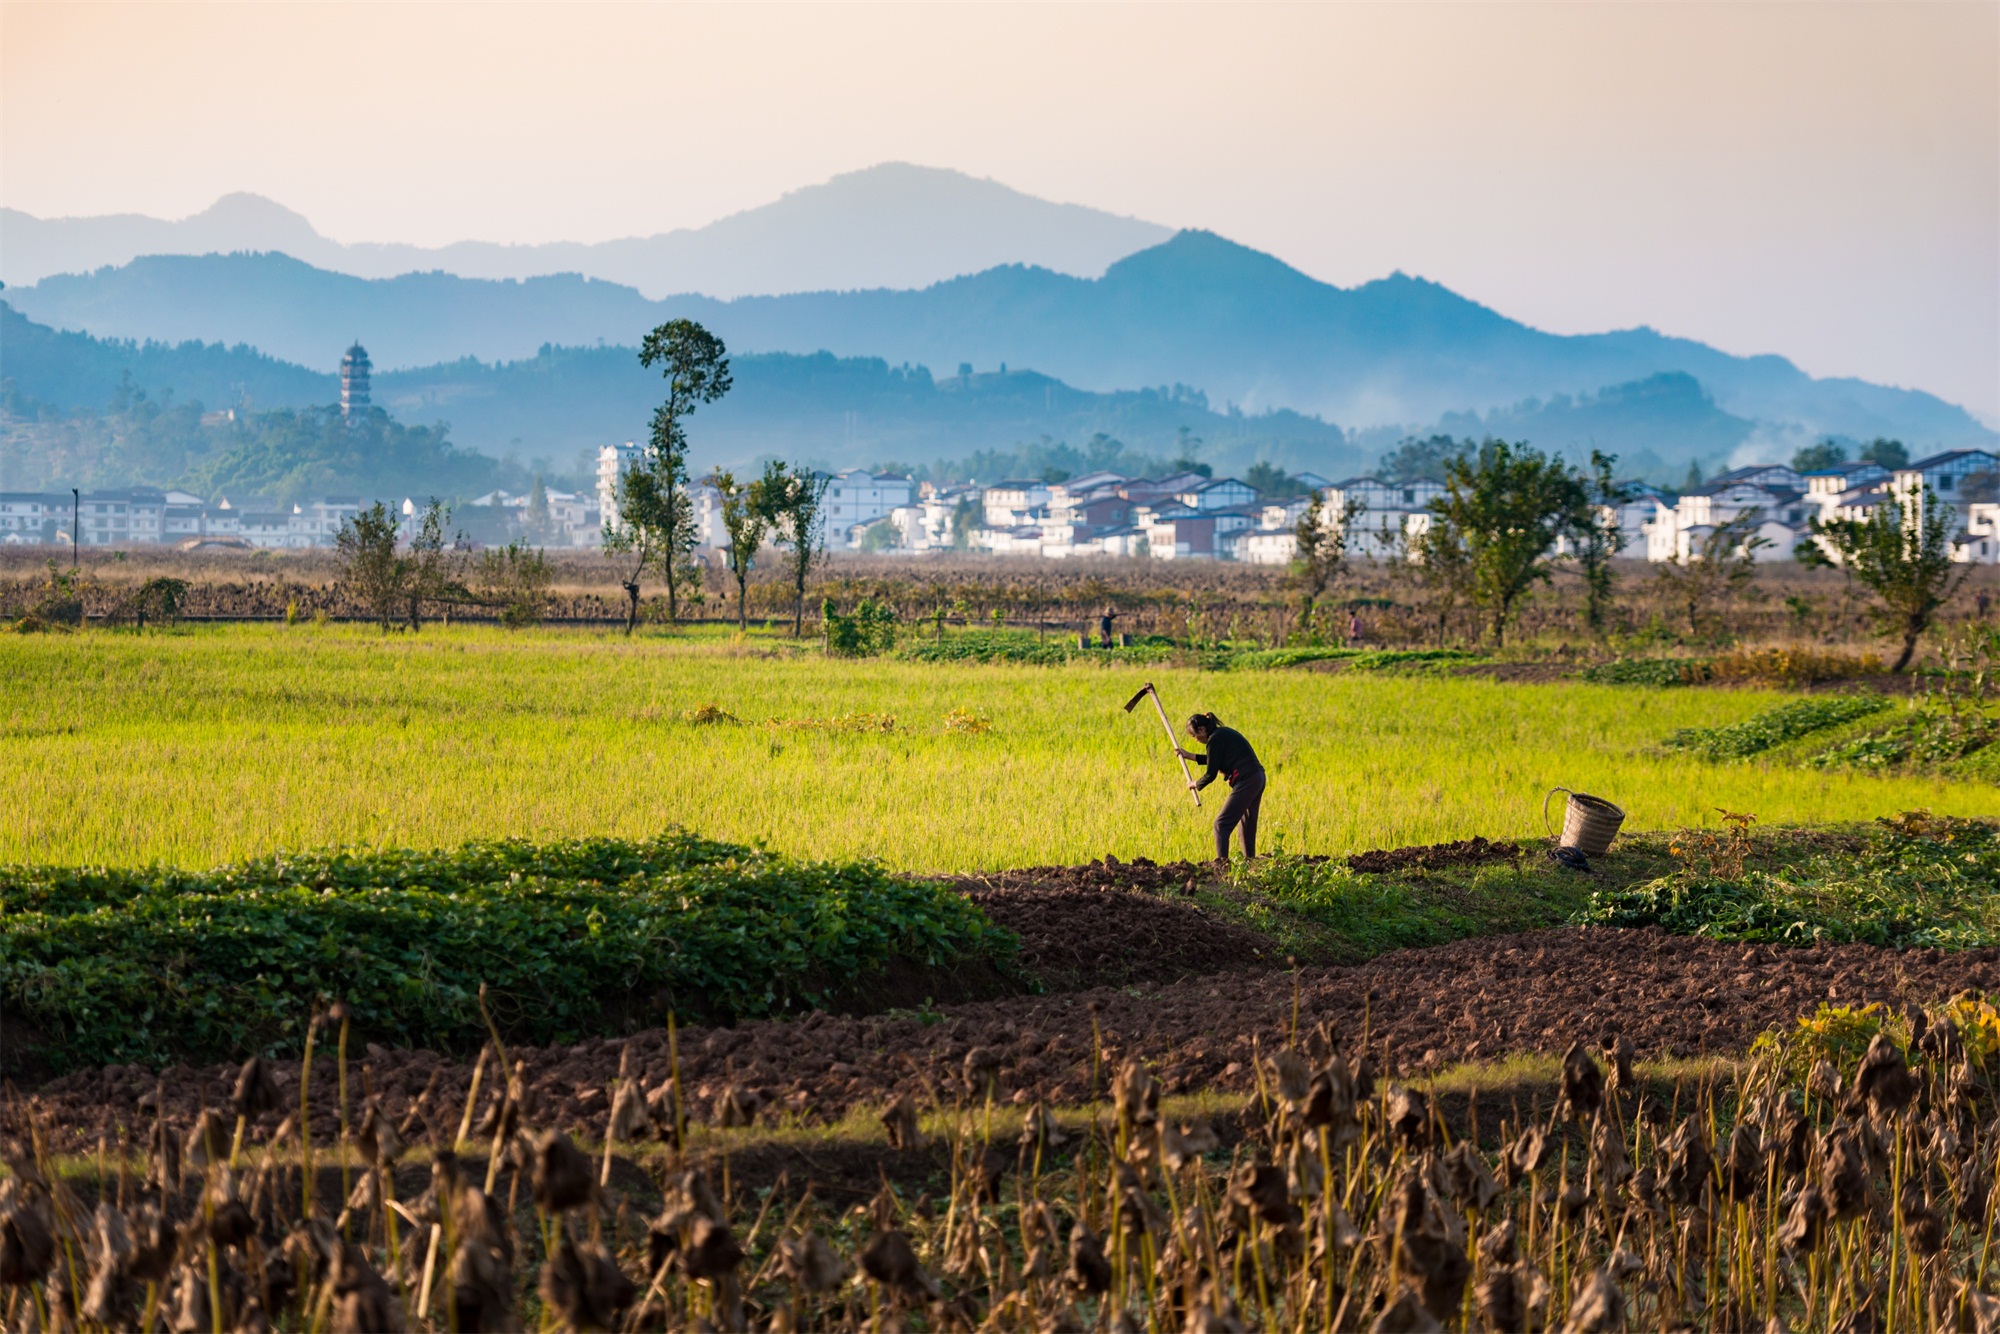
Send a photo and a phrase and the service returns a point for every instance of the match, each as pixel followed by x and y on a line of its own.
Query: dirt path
pixel 1476 998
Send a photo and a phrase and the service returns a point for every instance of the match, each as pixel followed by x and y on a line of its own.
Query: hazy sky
pixel 1819 180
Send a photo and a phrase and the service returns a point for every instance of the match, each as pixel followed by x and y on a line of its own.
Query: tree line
pixel 654 527
pixel 1510 514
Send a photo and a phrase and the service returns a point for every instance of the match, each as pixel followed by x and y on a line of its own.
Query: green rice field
pixel 207 744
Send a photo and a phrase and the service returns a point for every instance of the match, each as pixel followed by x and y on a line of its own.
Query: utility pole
pixel 75 509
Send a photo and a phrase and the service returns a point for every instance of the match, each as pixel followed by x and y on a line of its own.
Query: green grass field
pixel 201 745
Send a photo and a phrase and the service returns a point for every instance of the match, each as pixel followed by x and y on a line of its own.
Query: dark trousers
pixel 1240 808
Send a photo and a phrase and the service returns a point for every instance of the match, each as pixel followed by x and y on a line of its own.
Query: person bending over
pixel 1230 755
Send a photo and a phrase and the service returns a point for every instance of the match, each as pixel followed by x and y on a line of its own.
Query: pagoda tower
pixel 354 369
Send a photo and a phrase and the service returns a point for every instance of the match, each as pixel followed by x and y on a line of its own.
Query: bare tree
pixel 1722 564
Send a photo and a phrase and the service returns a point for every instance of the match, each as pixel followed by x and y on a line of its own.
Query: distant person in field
pixel 1229 755
pixel 1104 624
pixel 1354 628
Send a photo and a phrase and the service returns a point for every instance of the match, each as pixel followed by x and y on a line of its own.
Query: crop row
pixel 568 937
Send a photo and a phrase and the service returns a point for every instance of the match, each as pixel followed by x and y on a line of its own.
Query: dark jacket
pixel 1229 754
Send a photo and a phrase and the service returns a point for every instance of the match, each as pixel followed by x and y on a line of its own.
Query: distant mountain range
pixel 560 405
pixel 893 225
pixel 1241 327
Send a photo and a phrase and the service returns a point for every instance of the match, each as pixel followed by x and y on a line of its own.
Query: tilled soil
pixel 1107 872
pixel 1075 938
pixel 1536 992
pixel 1434 856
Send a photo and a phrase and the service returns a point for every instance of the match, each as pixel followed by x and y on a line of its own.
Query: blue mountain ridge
pixel 1241 326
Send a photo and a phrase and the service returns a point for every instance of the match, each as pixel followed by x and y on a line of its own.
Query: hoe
pixel 1133 703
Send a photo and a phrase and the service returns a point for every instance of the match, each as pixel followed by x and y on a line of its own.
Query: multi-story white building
pixel 1015 503
pixel 857 499
pixel 613 461
pixel 1979 544
pixel 1771 496
pixel 1382 525
pixel 1958 478
pixel 32 518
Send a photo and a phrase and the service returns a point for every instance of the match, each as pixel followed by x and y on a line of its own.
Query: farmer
pixel 1229 754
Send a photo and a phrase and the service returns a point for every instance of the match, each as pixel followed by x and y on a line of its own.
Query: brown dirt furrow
pixel 1074 938
pixel 1533 992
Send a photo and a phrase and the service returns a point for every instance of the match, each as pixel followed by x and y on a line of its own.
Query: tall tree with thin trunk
pixel 1436 560
pixel 655 515
pixel 746 517
pixel 1902 554
pixel 799 504
pixel 433 567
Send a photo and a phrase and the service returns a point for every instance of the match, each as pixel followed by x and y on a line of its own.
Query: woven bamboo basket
pixel 1589 823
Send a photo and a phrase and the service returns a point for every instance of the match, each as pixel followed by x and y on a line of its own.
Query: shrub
pixel 1787 722
pixel 1840 1034
pixel 1789 666
pixel 869 631
pixel 1642 672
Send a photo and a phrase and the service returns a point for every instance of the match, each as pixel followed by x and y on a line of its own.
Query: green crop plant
pixel 1922 880
pixel 1787 722
pixel 161 964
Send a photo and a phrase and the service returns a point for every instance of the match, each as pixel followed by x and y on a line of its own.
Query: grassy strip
pixel 1320 912
pixel 1921 881
pixel 573 938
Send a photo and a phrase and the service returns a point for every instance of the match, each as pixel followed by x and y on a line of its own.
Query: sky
pixel 1819 180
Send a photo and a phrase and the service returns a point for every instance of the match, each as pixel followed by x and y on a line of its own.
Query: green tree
pixel 1436 560
pixel 431 567
pixel 1272 482
pixel 1319 552
pixel 964 518
pixel 537 521
pixel 1890 454
pixel 1902 554
pixel 882 535
pixel 1427 458
pixel 372 574
pixel 655 513
pixel 1693 479
pixel 747 510
pixel 1509 504
pixel 1597 536
pixel 799 505
pixel 1724 562
pixel 1820 457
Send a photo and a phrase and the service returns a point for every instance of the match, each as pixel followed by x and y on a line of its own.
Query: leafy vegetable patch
pixel 1922 881
pixel 569 938
pixel 1787 722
